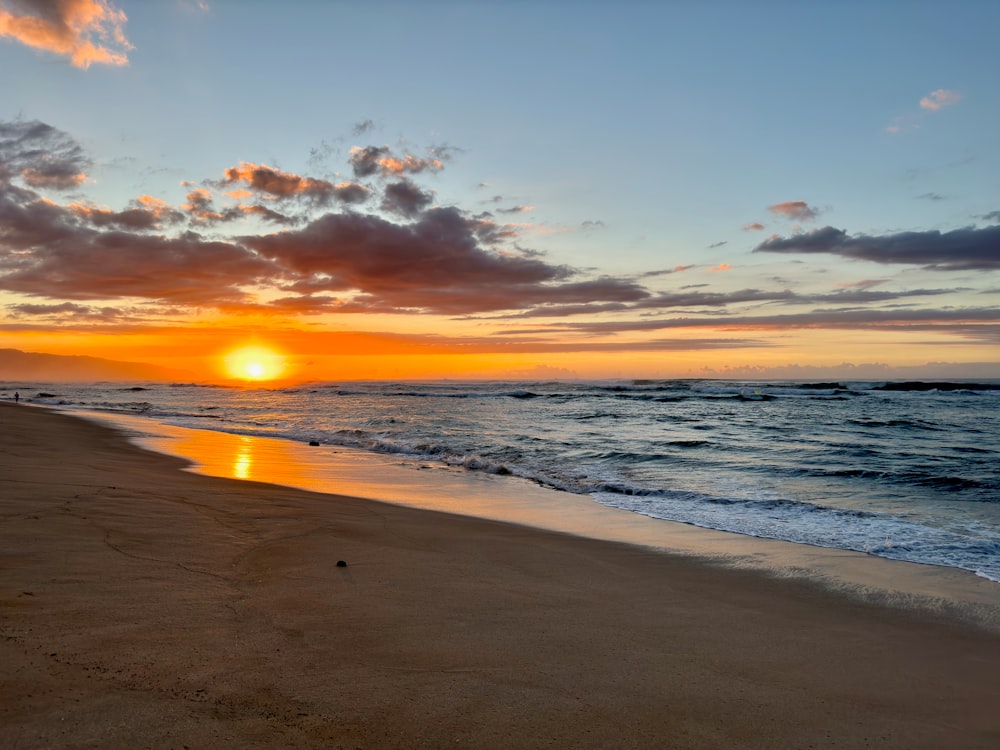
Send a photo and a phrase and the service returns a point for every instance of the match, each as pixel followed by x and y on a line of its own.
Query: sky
pixel 550 189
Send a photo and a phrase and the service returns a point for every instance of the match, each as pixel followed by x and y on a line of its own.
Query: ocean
pixel 908 471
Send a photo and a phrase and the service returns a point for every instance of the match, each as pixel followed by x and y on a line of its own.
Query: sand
pixel 144 606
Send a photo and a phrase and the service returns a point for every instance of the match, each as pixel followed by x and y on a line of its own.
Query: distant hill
pixel 18 366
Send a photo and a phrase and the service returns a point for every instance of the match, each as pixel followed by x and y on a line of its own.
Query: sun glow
pixel 255 363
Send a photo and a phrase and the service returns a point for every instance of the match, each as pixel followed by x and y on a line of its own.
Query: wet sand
pixel 145 606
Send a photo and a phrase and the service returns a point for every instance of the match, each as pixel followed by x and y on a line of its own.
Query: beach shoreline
pixel 144 605
pixel 417 484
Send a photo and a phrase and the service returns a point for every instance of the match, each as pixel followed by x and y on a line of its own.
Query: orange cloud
pixel 798 210
pixel 721 267
pixel 49 177
pixel 753 227
pixel 280 185
pixel 395 165
pixel 86 31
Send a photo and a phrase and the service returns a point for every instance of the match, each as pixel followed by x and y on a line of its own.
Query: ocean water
pixel 909 471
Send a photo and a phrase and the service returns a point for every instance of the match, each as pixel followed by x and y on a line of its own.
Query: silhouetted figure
pixel 17 397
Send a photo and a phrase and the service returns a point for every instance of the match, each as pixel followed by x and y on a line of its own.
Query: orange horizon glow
pixel 282 357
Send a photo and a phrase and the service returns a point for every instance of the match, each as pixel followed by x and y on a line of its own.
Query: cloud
pixel 283 185
pixel 516 210
pixel 753 227
pixel 363 126
pixel 718 244
pixel 863 284
pixel 435 264
pixel 665 271
pixel 145 213
pixel 591 225
pixel 405 198
pixel 931 197
pixel 372 160
pixel 78 263
pixel 85 31
pixel 935 101
pixel 412 258
pixel 73 311
pixel 200 207
pixel 939 99
pixel 395 254
pixel 41 155
pixel 691 298
pixel 991 216
pixel 797 210
pixel 267 214
pixel 979 323
pixel 721 267
pixel 960 249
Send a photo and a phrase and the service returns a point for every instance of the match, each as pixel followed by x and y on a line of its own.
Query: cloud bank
pixel 401 255
pixel 957 250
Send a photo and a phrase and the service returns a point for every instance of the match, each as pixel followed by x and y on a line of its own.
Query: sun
pixel 255 363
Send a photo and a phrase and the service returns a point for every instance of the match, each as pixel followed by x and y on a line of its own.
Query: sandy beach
pixel 145 606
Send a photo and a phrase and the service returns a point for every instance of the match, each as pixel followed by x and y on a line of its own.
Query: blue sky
pixel 622 140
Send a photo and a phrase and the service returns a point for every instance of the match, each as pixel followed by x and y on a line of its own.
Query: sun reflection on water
pixel 243 462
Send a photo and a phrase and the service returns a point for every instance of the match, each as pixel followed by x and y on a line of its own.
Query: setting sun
pixel 254 363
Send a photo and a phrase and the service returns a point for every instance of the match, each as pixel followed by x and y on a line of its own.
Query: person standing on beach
pixel 17 397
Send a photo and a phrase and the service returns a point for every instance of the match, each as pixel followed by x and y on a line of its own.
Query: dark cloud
pixel 380 160
pixel 991 216
pixel 435 264
pixel 402 255
pixel 365 161
pixel 797 210
pixel 363 126
pixel 931 197
pixel 960 249
pixel 368 253
pixel 968 321
pixel 71 311
pixel 516 210
pixel 490 232
pixel 711 299
pixel 667 271
pixel 351 192
pixel 42 156
pixel 405 198
pixel 431 260
pixel 281 185
pixel 589 225
pixel 688 299
pixel 87 264
pixel 718 244
pixel 145 213
pixel 268 214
